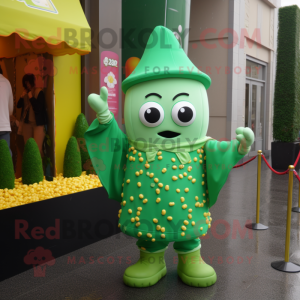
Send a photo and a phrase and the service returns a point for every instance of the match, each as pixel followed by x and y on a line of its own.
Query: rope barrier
pixel 278 173
pixel 246 162
pixel 297 176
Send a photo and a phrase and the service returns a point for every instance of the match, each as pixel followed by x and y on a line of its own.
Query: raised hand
pixel 99 104
pixel 246 138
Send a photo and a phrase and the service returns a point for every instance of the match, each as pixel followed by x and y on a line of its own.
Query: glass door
pixel 254 113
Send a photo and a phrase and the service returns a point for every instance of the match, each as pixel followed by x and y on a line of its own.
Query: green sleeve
pixel 107 146
pixel 221 157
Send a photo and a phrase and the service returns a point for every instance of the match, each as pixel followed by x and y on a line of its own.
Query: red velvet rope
pixel 246 162
pixel 295 164
pixel 279 173
pixel 297 176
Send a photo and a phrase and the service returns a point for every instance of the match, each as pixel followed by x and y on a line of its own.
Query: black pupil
pixel 152 115
pixel 185 114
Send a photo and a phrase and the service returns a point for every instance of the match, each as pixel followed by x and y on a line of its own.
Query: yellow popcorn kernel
pixel 173 159
pixel 159 153
pixel 132 220
pixel 149 235
pixel 183 227
pixel 141 172
pixel 140 208
pixel 160 185
pixel 171 203
pixel 189 216
pixel 139 234
pixel 162 236
pixel 137 224
pixel 182 199
pixel 182 233
pixel 169 218
pixel 174 178
pixel 167 187
pixel 160 157
pixel 130 211
pixel 174 167
pixel 158 200
pixel 128 180
pixel 194 180
pixel 163 212
pixel 158 227
pixel 151 175
pixel 131 198
pixel 157 191
pixel 141 196
pixel 145 201
pixel 193 223
pixel 155 220
pixel 137 173
pixel 186 190
pixel 195 159
pixel 184 206
pixel 190 177
pixel 185 222
pixel 163 229
pixel 164 170
pixel 190 210
pixel 141 159
pixel 153 240
pixel 180 176
pixel 178 190
pixel 184 174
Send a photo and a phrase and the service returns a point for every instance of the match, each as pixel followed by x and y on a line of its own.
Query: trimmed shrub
pixel 286 122
pixel 7 175
pixel 72 160
pixel 32 166
pixel 81 126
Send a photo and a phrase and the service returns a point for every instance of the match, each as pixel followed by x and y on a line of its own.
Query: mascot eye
pixel 183 113
pixel 151 114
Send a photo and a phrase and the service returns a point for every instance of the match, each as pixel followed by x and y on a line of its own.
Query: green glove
pixel 100 106
pixel 246 138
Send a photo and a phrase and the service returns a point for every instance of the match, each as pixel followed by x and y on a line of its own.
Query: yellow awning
pixel 58 27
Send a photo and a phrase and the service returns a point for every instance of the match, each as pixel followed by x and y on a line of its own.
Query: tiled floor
pixel 242 263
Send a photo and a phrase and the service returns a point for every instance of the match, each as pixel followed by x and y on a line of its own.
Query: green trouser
pixel 180 247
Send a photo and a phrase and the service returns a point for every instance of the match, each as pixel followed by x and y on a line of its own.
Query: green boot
pixel 194 271
pixel 147 271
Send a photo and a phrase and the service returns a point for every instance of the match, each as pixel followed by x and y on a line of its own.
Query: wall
pixel 67 89
pixel 213 15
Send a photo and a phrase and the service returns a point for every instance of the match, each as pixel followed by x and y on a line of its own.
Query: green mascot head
pixel 166 97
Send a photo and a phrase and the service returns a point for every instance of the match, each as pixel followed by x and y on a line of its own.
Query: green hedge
pixel 72 160
pixel 7 174
pixel 286 121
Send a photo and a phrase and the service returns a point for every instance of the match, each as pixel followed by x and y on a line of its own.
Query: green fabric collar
pixel 181 149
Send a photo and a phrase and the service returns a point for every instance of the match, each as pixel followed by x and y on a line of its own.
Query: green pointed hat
pixel 164 58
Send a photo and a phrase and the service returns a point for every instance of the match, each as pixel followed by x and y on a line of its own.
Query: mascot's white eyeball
pixel 151 114
pixel 183 113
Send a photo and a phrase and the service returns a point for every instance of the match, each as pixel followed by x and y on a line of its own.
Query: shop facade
pixel 235 42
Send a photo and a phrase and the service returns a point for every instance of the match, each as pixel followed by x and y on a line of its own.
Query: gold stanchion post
pixel 286 265
pixel 257 225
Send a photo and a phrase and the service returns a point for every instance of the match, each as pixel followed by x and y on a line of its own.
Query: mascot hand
pixel 100 106
pixel 246 138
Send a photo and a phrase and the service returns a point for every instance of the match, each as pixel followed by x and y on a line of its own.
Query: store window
pixel 255 102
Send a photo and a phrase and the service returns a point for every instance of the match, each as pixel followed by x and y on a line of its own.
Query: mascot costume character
pixel 165 172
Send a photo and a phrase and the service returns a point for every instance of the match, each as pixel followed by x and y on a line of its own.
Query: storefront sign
pixel 44 5
pixel 109 77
